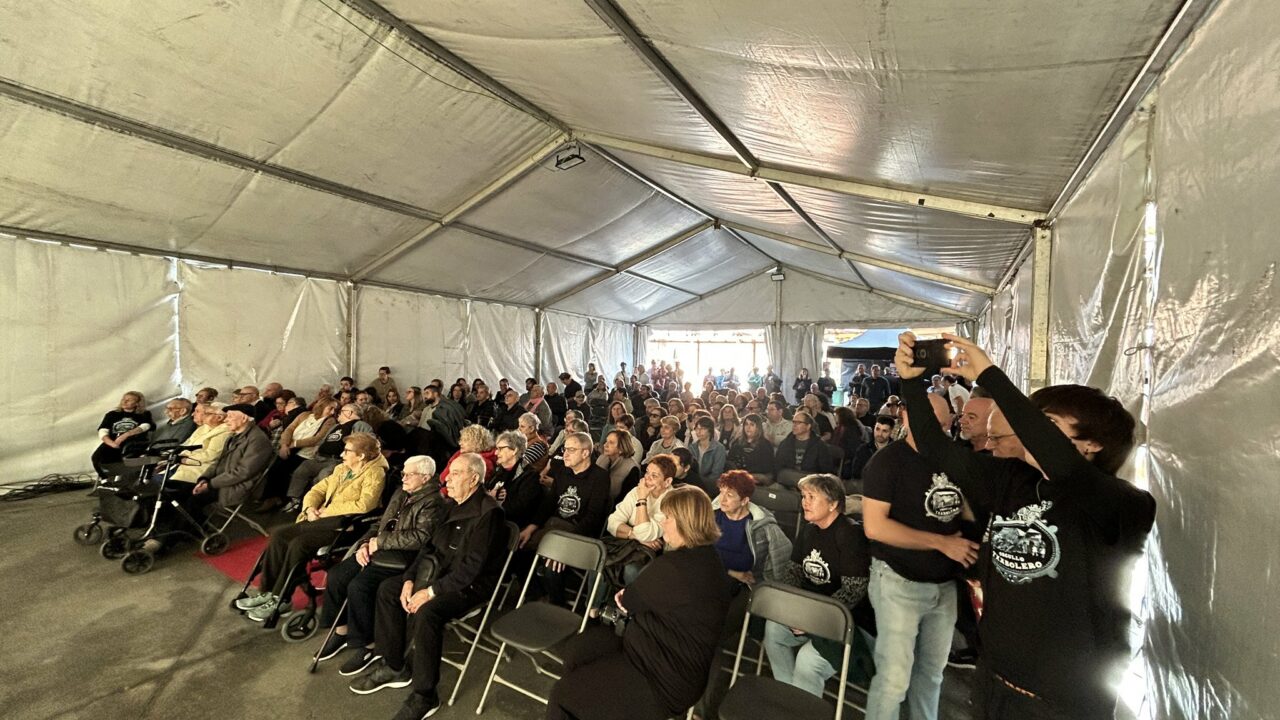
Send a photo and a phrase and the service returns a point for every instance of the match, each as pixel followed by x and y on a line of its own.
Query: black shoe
pixel 965 659
pixel 359 660
pixel 382 677
pixel 293 507
pixel 332 647
pixel 418 707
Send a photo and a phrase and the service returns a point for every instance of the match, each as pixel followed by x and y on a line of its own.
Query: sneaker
pixel 265 610
pixel 253 601
pixel 382 677
pixel 965 659
pixel 152 545
pixel 360 660
pixel 332 647
pixel 418 707
pixel 293 507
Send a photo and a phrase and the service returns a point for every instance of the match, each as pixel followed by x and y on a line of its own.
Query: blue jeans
pixel 804 668
pixel 914 622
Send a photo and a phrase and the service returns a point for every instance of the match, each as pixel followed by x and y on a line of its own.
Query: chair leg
pixel 315 659
pixel 485 695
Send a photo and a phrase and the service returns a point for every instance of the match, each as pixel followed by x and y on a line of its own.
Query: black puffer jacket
pixel 466 551
pixel 415 517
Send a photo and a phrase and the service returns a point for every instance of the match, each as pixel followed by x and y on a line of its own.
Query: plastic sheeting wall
pixel 79 328
pixel 1214 638
pixel 422 337
pixel 242 327
pixel 569 342
pixel 1005 328
pixel 800 346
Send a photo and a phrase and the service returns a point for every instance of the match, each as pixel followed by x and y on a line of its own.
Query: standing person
pixel 755 380
pixel 826 383
pixel 591 376
pixel 123 430
pixel 384 383
pixel 571 386
pixel 1065 532
pixel 829 558
pixel 621 376
pixel 974 417
pixel 875 388
pixel 801 385
pixel 658 667
pixel 855 382
pixel 772 381
pixel 912 512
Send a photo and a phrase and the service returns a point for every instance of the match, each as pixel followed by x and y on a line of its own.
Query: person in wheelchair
pixel 389 547
pixel 452 575
pixel 354 488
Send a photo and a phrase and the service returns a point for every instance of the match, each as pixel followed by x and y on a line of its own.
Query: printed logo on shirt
pixel 943 500
pixel 815 568
pixel 1025 547
pixel 123 426
pixel 570 503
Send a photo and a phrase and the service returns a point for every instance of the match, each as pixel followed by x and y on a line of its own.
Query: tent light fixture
pixel 570 157
pixel 778 276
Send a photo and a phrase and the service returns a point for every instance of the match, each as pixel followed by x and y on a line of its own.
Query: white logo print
pixel 570 503
pixel 1025 547
pixel 816 569
pixel 943 500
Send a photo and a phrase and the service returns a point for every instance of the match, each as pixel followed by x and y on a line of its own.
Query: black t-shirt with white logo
pixel 922 498
pixel 827 555
pixel 580 498
pixel 335 441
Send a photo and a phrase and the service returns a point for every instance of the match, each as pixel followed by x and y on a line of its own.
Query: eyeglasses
pixel 503 447
pixel 998 438
pixel 568 449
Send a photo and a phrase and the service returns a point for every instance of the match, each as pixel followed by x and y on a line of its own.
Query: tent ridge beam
pixel 703 296
pixel 625 266
pixel 531 247
pixel 818 181
pixel 911 270
pixel 813 225
pixel 424 44
pixel 497 185
pixel 199 148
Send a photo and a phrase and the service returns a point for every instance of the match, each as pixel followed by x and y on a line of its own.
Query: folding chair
pixel 784 503
pixel 535 628
pixel 217 541
pixel 818 615
pixel 462 627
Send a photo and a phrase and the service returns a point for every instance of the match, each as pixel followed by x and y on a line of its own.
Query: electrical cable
pixel 49 484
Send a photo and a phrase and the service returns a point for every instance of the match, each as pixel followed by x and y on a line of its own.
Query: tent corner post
pixel 1042 252
pixel 537 344
pixel 352 295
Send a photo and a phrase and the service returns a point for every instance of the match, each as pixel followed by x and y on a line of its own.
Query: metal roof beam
pixel 903 299
pixel 494 187
pixel 704 296
pixel 911 270
pixel 818 181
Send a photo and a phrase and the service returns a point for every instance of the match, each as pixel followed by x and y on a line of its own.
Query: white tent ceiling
pixel 901 148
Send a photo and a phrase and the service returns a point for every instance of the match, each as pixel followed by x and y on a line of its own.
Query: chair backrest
pixel 813 613
pixel 513 536
pixel 575 551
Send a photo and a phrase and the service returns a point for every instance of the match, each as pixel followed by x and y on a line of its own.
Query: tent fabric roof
pixel 413 143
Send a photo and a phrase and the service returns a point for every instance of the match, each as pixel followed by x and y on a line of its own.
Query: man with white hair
pixel 178 424
pixel 211 435
pixel 246 455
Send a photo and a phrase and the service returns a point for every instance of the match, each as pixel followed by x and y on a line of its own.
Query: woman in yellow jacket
pixel 354 488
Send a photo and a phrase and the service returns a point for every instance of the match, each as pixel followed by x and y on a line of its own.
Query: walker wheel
pixel 215 544
pixel 137 562
pixel 300 626
pixel 114 547
pixel 88 534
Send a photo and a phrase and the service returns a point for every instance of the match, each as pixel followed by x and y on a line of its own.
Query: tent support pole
pixel 1043 250
pixel 353 294
pixel 537 346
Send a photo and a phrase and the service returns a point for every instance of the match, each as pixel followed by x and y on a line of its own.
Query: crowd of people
pixel 910 498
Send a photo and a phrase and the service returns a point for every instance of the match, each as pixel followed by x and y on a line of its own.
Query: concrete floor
pixel 83 640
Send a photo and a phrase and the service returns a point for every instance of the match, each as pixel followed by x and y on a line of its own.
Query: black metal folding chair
pixel 472 634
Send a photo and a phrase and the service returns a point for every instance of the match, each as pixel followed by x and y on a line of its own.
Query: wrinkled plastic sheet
pixel 1005 328
pixel 624 298
pixel 963 301
pixel 313 86
pixel 420 337
pixel 64 176
pixel 592 209
pixel 561 56
pixel 79 328
pixel 570 342
pixel 956 97
pixel 246 327
pixel 799 346
pixel 499 341
pixel 1214 638
pixel 704 263
pixel 461 263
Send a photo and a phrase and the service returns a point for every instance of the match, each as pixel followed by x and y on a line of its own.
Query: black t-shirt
pixel 582 499
pixel 827 555
pixel 827 385
pixel 1056 564
pixel 119 422
pixel 923 498
pixel 335 441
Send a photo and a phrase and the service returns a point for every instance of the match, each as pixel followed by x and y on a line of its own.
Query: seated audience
pixel 473 439
pixel 752 451
pixel 178 424
pixel 514 484
pixel 245 456
pixel 507 415
pixel 676 609
pixel 708 454
pixel 354 488
pixel 452 574
pixel 392 405
pixel 211 435
pixel 385 551
pixel 537 405
pixel 635 528
pixel 881 435
pixel 327 455
pixel 619 457
pixel 667 441
pixel 122 432
pixel 206 395
pixel 686 468
pixel 535 454
pixel 776 425
pixel 802 453
pixel 830 558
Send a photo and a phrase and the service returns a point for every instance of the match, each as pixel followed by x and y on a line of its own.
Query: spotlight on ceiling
pixel 569 157
pixel 778 276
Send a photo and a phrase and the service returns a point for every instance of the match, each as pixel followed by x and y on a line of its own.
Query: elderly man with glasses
pixel 179 424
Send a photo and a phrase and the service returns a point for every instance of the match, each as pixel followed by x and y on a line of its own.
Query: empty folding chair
pixel 784 503
pixel 535 628
pixel 757 696
pixel 475 632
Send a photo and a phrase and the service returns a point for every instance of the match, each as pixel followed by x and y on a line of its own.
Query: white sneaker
pixel 250 603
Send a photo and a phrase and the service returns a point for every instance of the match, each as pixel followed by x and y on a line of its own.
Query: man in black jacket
pixel 246 455
pixel 802 452
pixel 456 572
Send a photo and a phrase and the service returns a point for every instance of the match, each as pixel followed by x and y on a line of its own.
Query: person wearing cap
pixel 246 455
pixel 211 435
